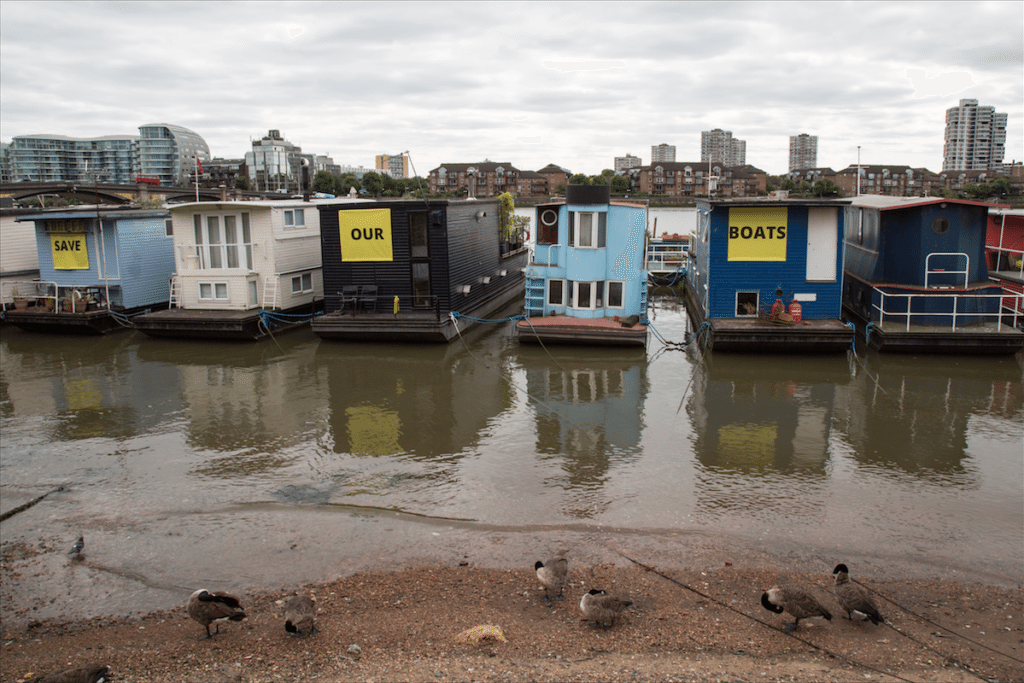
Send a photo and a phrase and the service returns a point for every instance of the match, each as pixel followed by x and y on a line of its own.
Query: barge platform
pixel 561 329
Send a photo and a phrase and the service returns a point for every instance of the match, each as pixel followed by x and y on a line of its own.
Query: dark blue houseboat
pixel 766 276
pixel 420 271
pixel 916 279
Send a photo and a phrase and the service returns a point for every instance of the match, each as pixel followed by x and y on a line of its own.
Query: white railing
pixel 42 292
pixel 955 299
pixel 929 271
pixel 552 254
pixel 667 259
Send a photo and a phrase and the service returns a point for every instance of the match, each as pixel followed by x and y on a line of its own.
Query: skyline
pixel 574 84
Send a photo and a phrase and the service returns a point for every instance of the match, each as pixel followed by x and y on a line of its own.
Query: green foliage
pixel 323 181
pixel 825 188
pixel 579 179
pixel 620 184
pixel 598 180
pixel 506 210
pixel 607 173
pixel 242 183
pixel 342 184
pixel 789 185
pixel 373 183
pixel 805 187
pixel 560 189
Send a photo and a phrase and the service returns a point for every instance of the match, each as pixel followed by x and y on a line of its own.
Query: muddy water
pixel 254 466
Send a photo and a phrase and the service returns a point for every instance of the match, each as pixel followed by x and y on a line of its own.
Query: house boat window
pixel 587 230
pixel 302 284
pixel 213 291
pixel 419 256
pixel 556 292
pixel 547 228
pixel 587 295
pixel 223 240
pixel 614 297
pixel 746 304
pixel 294 218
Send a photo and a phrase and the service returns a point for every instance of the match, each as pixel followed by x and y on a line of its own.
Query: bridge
pixel 114 193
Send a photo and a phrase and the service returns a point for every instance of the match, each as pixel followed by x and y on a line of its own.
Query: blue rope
pixel 266 317
pixel 853 342
pixel 867 332
pixel 456 314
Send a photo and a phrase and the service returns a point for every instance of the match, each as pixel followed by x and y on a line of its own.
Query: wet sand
pixel 695 617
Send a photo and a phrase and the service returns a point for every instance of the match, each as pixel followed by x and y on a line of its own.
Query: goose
pixel 552 576
pixel 793 599
pixel 84 674
pixel 212 608
pixel 298 615
pixel 853 597
pixel 601 608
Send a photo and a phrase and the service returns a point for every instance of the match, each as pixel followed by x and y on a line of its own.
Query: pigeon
pixel 76 549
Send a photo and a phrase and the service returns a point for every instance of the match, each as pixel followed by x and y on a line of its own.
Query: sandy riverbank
pixel 405 625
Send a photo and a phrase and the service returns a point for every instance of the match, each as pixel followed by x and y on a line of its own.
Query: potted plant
pixel 20 303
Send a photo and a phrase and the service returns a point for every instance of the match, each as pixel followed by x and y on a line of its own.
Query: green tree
pixel 620 184
pixel 1000 187
pixel 242 183
pixel 323 181
pixel 598 180
pixel 344 183
pixel 825 188
pixel 607 173
pixel 579 179
pixel 789 185
pixel 560 189
pixel 506 209
pixel 373 183
pixel 805 188
pixel 770 187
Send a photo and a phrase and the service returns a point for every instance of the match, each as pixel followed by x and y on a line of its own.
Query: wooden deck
pixel 560 329
pixel 65 322
pixel 978 339
pixel 756 335
pixel 204 324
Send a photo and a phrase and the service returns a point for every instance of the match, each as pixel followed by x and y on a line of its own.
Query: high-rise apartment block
pixel 395 165
pixel 719 146
pixel 627 162
pixel 663 152
pixel 975 138
pixel 803 152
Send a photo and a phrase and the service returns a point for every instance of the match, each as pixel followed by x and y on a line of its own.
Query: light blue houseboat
pixel 586 282
pixel 917 280
pixel 766 276
pixel 97 267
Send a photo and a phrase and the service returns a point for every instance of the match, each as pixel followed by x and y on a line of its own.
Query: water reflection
pixel 904 417
pixel 589 410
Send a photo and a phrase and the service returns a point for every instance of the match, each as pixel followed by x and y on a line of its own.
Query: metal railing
pixel 549 254
pixel 426 305
pixel 901 307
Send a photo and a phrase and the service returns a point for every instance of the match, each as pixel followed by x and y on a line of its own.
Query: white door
pixel 822 229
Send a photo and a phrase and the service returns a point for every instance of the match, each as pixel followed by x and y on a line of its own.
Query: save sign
pixel 757 234
pixel 69 252
pixel 365 234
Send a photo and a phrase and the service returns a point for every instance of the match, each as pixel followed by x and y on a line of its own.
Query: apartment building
pixel 623 164
pixel 663 153
pixel 719 146
pixel 685 179
pixel 975 138
pixel 803 151
pixel 484 179
pixel 395 165
pixel 893 180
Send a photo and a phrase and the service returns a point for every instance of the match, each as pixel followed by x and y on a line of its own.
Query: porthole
pixel 549 217
pixel 940 226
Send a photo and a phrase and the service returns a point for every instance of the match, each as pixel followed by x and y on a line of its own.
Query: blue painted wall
pixel 723 278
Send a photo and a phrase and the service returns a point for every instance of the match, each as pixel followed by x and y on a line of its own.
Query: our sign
pixel 365 235
pixel 758 233
pixel 69 251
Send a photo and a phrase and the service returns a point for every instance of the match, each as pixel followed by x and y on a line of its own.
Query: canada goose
pixel 853 597
pixel 298 615
pixel 85 674
pixel 76 549
pixel 552 576
pixel 601 608
pixel 793 599
pixel 211 608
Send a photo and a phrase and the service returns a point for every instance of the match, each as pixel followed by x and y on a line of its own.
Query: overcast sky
pixel 575 84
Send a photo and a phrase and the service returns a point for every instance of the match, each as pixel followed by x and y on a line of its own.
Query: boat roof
pixel 267 203
pixel 887 203
pixel 102 213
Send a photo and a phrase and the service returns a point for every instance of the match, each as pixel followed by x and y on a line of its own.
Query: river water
pixel 258 465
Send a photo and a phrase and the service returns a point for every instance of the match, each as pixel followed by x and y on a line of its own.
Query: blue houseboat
pixel 917 280
pixel 416 271
pixel 766 276
pixel 97 268
pixel 586 283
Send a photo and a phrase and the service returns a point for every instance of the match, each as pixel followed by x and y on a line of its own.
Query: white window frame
pixel 596 287
pixel 294 219
pixel 215 288
pixel 302 280
pixel 757 301
pixel 222 252
pixel 608 293
pixel 595 233
pixel 561 299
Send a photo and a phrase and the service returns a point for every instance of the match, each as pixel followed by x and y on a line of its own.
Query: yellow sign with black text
pixel 365 235
pixel 69 252
pixel 758 233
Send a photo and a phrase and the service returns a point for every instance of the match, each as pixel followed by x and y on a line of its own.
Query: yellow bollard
pixel 396 304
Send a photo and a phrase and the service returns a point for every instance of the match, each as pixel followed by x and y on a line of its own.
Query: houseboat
pixel 666 259
pixel 242 270
pixel 766 276
pixel 1004 249
pixel 98 268
pixel 586 283
pixel 19 258
pixel 415 271
pixel 916 278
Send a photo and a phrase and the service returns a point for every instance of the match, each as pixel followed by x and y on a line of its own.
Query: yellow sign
pixel 757 234
pixel 365 235
pixel 69 252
